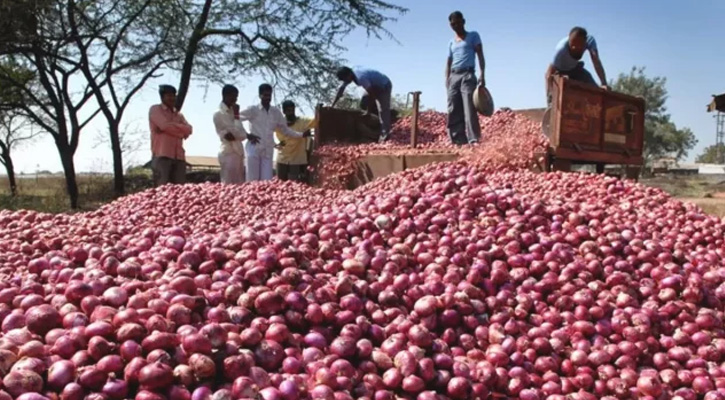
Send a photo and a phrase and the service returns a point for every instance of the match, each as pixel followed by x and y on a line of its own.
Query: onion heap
pixel 507 139
pixel 472 279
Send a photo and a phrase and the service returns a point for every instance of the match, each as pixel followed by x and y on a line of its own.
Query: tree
pixel 14 131
pixel 293 44
pixel 52 99
pixel 662 137
pixel 116 46
pixel 714 154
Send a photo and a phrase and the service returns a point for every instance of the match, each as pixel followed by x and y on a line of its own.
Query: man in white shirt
pixel 231 133
pixel 264 119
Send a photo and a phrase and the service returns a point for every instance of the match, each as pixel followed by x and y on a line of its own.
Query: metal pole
pixel 414 125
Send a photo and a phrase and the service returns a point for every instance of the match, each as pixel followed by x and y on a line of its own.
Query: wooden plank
pixel 581 116
pixel 590 124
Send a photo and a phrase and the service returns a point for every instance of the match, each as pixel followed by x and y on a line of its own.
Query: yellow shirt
pixel 294 151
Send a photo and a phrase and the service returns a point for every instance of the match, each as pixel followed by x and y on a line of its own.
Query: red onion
pixel 22 381
pixel 60 374
pixel 155 376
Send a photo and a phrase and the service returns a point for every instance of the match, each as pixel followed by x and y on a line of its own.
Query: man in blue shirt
pixel 379 90
pixel 461 82
pixel 567 60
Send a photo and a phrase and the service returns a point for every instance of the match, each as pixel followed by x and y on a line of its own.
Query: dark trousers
pixel 296 173
pixel 580 74
pixel 463 125
pixel 168 170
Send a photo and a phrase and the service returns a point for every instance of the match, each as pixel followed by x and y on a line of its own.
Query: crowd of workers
pixel 254 160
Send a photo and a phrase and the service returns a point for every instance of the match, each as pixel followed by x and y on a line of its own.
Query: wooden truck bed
pixel 594 126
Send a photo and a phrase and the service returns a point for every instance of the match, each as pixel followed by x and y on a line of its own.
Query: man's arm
pixel 248 113
pixel 157 118
pixel 481 64
pixel 185 127
pixel 228 128
pixel 598 67
pixel 448 69
pixel 284 129
pixel 549 75
pixel 340 91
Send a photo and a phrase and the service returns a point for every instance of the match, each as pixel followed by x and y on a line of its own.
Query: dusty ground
pixel 708 192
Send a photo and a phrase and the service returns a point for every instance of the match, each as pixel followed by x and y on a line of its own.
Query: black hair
pixel 164 89
pixel 288 104
pixel 455 14
pixel 229 89
pixel 578 31
pixel 265 87
pixel 343 73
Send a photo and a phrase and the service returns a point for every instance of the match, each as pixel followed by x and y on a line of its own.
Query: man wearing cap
pixel 461 82
pixel 231 133
pixel 378 87
pixel 169 129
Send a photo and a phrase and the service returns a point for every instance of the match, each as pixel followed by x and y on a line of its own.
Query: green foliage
pixel 662 137
pixel 711 155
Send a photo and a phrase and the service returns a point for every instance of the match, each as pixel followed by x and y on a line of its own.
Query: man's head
pixel 288 109
pixel 458 23
pixel 168 95
pixel 265 94
pixel 230 93
pixel 577 42
pixel 345 74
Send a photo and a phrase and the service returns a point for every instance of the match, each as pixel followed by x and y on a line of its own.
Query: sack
pixel 483 101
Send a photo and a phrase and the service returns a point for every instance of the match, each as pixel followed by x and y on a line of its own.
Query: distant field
pixel 47 192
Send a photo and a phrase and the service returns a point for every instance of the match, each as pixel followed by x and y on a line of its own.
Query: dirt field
pixel 708 192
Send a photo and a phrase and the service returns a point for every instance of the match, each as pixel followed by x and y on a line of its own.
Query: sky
pixel 679 40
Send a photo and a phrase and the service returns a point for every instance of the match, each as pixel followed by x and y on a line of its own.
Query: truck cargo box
pixel 588 124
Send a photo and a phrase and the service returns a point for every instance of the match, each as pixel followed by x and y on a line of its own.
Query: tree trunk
pixel 69 170
pixel 7 161
pixel 119 183
pixel 191 49
pixel 10 168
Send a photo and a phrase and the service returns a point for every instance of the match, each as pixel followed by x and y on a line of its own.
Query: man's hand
pixel 253 138
pixel 306 133
pixel 605 87
pixel 229 137
pixel 482 81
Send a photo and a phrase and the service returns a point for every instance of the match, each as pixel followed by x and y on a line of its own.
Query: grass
pixel 48 193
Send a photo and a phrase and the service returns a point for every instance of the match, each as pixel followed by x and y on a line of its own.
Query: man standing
pixel 461 83
pixel 168 131
pixel 567 60
pixel 292 157
pixel 379 90
pixel 231 133
pixel 264 120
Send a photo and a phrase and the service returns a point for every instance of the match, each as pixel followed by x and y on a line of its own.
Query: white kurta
pixel 263 124
pixel 231 153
